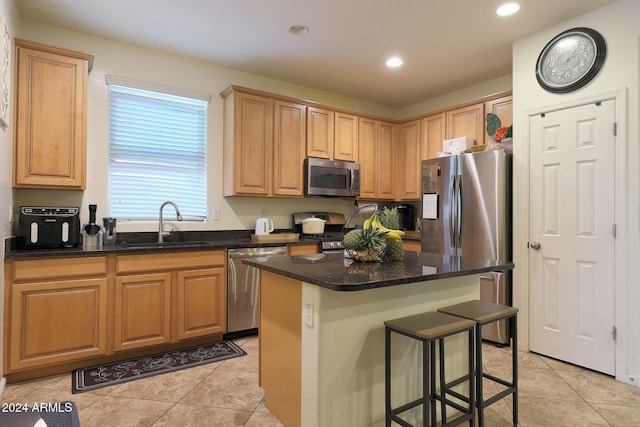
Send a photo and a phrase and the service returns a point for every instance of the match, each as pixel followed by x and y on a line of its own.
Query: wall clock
pixel 571 60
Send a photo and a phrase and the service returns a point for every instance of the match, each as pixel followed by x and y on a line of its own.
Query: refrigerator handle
pixel 459 210
pixel 453 209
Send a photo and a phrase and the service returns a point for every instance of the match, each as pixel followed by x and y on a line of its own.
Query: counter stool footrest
pixel 400 421
pixel 497 380
pixel 493 399
pixel 407 406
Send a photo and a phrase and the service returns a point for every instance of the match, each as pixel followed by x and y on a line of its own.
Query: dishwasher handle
pixel 257 252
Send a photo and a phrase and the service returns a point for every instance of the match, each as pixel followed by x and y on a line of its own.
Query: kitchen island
pixel 322 333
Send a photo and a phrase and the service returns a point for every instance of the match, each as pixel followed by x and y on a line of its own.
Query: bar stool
pixel 429 328
pixel 483 312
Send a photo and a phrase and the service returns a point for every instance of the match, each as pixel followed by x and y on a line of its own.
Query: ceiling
pixel 446 44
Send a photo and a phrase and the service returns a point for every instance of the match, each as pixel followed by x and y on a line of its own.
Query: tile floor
pixel 552 394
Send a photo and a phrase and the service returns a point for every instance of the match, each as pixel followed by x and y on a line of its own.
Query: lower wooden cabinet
pixel 55 311
pixel 64 310
pixel 142 310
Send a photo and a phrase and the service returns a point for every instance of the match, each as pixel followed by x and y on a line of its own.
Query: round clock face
pixel 570 60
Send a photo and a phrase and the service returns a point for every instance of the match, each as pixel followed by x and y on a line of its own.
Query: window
pixel 157 144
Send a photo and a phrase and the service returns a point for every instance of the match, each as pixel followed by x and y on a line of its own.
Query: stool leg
pixel 478 370
pixel 387 376
pixel 428 365
pixel 514 380
pixel 443 392
pixel 472 385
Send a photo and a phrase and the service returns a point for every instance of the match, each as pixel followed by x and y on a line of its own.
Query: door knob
pixel 535 245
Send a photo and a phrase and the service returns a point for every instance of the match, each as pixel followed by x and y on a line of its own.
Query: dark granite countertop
pixel 333 271
pixel 146 242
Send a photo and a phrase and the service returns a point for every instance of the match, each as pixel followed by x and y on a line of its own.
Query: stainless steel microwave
pixel 331 178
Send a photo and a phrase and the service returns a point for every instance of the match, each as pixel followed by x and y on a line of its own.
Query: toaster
pixel 48 227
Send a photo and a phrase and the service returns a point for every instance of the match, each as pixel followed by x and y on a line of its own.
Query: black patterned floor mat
pixel 87 379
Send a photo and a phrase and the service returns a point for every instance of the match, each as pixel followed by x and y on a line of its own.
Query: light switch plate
pixel 308 315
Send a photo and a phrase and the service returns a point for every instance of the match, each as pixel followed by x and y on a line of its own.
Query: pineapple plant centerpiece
pixel 390 220
pixel 371 243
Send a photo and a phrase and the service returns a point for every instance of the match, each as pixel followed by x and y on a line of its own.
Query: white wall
pixel 618 23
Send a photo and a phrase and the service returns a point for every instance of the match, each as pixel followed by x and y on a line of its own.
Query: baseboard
pixel 3 382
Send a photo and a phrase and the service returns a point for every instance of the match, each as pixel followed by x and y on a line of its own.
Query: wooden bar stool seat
pixel 431 328
pixel 483 312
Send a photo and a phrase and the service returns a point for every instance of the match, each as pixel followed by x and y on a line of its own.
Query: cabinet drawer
pixel 169 261
pixel 55 268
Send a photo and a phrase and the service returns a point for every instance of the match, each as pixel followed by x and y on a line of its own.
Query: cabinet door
pixel 293 250
pixel 202 302
pixel 501 107
pixel 408 163
pixel 50 120
pixel 248 169
pixel 386 172
pixel 345 144
pixel 467 121
pixel 288 149
pixel 319 133
pixel 60 321
pixel 142 310
pixel 368 130
pixel 433 133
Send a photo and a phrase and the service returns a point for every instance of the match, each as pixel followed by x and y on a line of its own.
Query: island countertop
pixel 334 271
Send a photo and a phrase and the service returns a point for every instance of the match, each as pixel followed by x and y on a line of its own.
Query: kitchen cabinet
pixel 412 245
pixel 376 148
pixel 408 162
pixel 56 311
pixel 263 145
pixel 433 133
pixel 345 144
pixel 167 297
pixel 50 117
pixel 248 144
pixel 320 132
pixel 467 121
pixel 501 107
pixel 288 149
pixel 293 250
pixel 332 134
pixel 64 310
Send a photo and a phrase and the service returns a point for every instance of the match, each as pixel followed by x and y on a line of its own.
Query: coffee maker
pixel 405 216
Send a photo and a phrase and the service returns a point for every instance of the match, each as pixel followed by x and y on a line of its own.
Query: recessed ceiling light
pixel 299 30
pixel 508 9
pixel 394 62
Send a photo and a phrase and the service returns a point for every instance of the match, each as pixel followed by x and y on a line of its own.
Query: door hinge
pixel 614 333
pixel 614 231
pixel 615 129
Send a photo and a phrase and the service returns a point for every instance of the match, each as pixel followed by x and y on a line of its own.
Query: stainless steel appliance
pixel 243 288
pixel 466 210
pixel 331 178
pixel 43 227
pixel 331 239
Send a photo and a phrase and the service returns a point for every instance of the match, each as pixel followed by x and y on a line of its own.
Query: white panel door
pixel 571 235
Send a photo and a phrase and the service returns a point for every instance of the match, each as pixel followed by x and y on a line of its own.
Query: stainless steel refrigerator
pixel 466 210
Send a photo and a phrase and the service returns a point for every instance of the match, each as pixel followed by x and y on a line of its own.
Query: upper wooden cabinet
pixel 501 107
pixel 377 153
pixel 467 121
pixel 332 135
pixel 434 130
pixel 51 117
pixel 409 162
pixel 263 145
pixel 319 133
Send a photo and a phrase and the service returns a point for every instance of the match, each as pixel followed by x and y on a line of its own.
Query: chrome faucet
pixel 161 232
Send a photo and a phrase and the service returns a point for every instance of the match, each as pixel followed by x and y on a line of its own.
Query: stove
pixel 331 239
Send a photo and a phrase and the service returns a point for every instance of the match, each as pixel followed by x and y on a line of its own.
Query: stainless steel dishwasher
pixel 243 286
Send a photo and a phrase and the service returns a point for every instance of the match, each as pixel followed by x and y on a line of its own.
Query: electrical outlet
pixel 308 315
pixel 215 213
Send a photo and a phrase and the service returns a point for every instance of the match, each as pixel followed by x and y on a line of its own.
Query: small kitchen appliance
pixel 405 217
pixel 331 178
pixel 264 226
pixel 109 236
pixel 91 232
pixel 45 227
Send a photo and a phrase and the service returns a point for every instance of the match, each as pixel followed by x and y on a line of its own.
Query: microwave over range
pixel 331 178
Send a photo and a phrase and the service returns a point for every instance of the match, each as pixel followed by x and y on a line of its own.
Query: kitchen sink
pixel 154 245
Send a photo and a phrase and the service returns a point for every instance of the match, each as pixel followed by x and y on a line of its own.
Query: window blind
pixel 156 153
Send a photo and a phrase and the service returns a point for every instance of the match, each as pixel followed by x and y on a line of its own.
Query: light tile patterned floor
pixel 226 394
